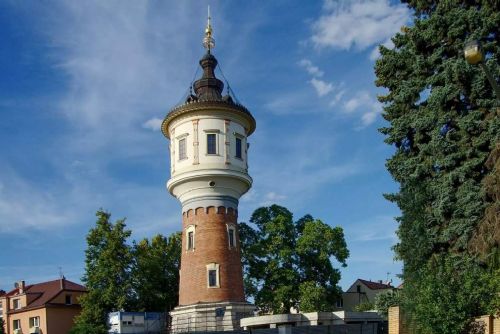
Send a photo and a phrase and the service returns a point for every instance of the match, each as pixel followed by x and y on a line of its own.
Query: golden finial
pixel 208 41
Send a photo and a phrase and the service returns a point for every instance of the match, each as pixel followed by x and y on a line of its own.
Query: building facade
pixel 42 308
pixel 136 322
pixel 361 292
pixel 209 173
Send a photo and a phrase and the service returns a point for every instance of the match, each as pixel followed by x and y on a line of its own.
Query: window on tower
pixel 211 143
pixel 213 275
pixel 190 232
pixel 212 278
pixel 190 240
pixel 238 148
pixel 231 236
pixel 182 149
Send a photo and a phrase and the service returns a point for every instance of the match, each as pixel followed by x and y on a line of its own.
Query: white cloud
pixel 358 24
pixel 322 87
pixel 365 104
pixel 310 68
pixel 153 124
pixel 375 54
pixel 338 97
pixel 24 206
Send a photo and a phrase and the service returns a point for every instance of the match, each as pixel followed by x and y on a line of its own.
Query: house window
pixel 238 148
pixel 35 322
pixel 358 288
pixel 17 304
pixel 213 275
pixel 16 324
pixel 211 143
pixel 340 302
pixel 68 300
pixel 231 236
pixel 182 149
pixel 190 232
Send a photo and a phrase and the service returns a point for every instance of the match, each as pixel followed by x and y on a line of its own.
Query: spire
pixel 208 41
pixel 208 87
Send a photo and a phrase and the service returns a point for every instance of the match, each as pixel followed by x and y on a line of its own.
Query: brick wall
pixel 211 246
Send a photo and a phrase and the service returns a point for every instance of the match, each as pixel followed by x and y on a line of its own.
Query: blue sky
pixel 85 84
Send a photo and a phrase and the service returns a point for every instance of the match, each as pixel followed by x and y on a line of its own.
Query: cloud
pixel 365 104
pixel 357 24
pixel 375 54
pixel 24 206
pixel 322 87
pixel 310 68
pixel 153 124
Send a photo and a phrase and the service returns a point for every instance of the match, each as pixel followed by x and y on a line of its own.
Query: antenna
pixel 60 272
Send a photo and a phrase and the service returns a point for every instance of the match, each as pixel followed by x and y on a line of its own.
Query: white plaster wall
pixel 190 177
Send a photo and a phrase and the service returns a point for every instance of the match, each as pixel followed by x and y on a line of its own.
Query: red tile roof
pixel 375 285
pixel 46 291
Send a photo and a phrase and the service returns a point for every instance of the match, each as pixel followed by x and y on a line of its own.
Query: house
pixel 41 308
pixel 136 322
pixel 362 291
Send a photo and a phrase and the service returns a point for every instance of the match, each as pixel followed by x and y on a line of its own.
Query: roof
pixel 46 291
pixel 208 95
pixel 375 285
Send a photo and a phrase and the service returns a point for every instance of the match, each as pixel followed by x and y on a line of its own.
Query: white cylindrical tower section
pixel 208 145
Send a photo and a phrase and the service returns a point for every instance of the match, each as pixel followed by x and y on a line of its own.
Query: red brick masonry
pixel 211 245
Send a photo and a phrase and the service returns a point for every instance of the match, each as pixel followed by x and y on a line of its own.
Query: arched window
pixel 190 240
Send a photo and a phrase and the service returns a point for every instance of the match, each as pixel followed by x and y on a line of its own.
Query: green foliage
pixel 108 261
pixel 363 307
pixel 144 277
pixel 441 114
pixel 155 273
pixel 385 300
pixel 2 326
pixel 287 264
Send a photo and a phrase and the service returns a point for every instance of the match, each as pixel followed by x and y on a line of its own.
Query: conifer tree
pixel 444 122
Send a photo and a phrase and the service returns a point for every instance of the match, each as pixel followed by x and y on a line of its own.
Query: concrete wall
pixel 24 318
pixel 61 319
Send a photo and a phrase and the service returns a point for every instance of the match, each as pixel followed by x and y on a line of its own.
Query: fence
pixel 369 328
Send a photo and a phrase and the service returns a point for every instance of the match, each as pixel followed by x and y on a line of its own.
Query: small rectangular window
pixel 340 303
pixel 17 304
pixel 68 300
pixel 358 288
pixel 182 149
pixel 238 147
pixel 231 237
pixel 190 240
pixel 212 278
pixel 16 324
pixel 35 322
pixel 211 143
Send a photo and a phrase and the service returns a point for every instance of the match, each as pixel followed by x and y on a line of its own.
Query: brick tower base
pixel 208 317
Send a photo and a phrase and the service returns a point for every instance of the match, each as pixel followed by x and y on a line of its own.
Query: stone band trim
pixel 208 201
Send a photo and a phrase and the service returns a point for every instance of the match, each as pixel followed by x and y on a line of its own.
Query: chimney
pixel 20 286
pixel 380 281
pixel 61 281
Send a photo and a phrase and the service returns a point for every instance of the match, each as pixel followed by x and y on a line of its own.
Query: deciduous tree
pixel 288 264
pixel 108 260
pixel 155 273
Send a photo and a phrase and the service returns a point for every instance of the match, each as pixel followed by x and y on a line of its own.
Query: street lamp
pixel 474 55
